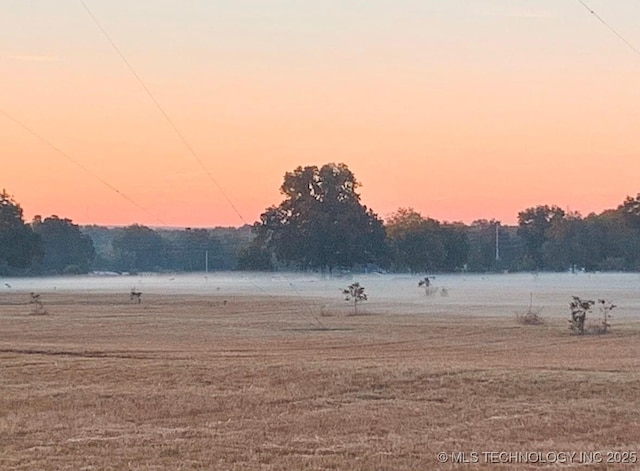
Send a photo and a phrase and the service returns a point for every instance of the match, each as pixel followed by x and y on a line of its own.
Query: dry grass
pixel 287 384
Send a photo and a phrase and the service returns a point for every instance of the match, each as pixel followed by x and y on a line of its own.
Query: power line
pixel 180 135
pixel 611 28
pixel 79 165
pixel 162 110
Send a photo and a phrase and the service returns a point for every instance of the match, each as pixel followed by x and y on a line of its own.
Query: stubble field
pixel 263 377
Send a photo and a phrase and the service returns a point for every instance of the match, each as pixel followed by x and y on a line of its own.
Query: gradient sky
pixel 461 109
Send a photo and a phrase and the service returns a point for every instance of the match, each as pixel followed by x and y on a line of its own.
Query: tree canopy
pixel 425 245
pixel 19 245
pixel 66 248
pixel 321 223
pixel 533 224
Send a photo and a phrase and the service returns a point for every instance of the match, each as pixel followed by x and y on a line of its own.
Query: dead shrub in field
pixel 37 306
pixel 531 316
pixel 354 292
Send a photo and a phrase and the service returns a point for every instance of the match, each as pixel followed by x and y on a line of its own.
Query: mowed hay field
pixel 235 382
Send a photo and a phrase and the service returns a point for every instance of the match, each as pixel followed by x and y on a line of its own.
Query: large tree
pixel 533 226
pixel 139 247
pixel 197 250
pixel 321 223
pixel 416 242
pixel 19 245
pixel 66 248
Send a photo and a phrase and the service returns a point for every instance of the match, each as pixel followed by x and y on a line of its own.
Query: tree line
pixel 322 225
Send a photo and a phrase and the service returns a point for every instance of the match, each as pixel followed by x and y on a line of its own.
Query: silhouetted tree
pixel 321 223
pixel 194 249
pixel 65 247
pixel 255 257
pixel 456 246
pixel 19 245
pixel 416 243
pixel 533 224
pixel 137 248
pixel 567 243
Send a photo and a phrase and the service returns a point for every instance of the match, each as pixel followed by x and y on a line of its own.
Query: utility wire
pixel 79 165
pixel 611 28
pixel 162 111
pixel 180 135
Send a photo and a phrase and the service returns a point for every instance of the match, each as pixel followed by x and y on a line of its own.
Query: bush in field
pixel 581 307
pixel 579 310
pixel 354 292
pixel 37 308
pixel 532 315
pixel 135 296
pixel 605 309
pixel 429 289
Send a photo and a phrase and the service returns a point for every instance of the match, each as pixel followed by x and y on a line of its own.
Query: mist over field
pixel 463 294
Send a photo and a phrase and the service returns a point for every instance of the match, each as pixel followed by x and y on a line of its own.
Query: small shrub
pixel 605 307
pixel 135 296
pixel 37 307
pixel 354 292
pixel 429 289
pixel 531 316
pixel 579 309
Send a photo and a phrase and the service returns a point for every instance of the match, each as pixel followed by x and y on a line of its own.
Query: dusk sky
pixel 461 109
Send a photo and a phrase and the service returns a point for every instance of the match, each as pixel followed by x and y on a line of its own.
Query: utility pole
pixel 206 261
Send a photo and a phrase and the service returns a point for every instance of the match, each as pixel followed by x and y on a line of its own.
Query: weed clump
pixel 531 316
pixel 37 306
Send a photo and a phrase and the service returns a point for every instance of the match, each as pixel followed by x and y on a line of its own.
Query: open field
pixel 275 373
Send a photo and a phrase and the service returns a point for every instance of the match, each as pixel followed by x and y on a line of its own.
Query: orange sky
pixel 460 111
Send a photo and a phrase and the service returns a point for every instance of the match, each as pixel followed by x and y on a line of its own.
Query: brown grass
pixel 287 384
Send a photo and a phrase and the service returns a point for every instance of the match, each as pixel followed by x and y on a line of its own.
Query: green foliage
pixel 138 248
pixel 255 257
pixel 19 245
pixel 182 249
pixel 73 270
pixel 354 292
pixel 482 246
pixel 321 223
pixel 65 246
pixel 424 245
pixel 533 226
pixel 196 250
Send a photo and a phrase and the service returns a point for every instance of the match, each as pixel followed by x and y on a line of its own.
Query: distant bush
pixel 531 316
pixel 354 292
pixel 579 310
pixel 425 283
pixel 37 306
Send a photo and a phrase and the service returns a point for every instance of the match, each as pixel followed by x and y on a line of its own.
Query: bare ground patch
pixel 190 382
